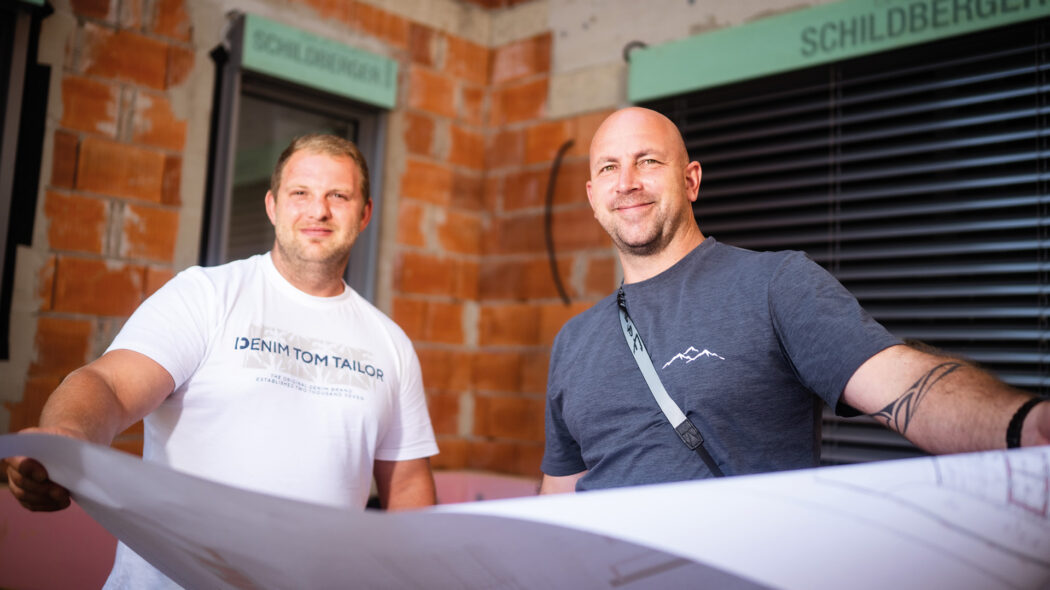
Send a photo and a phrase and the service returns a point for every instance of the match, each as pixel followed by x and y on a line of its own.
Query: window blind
pixel 919 177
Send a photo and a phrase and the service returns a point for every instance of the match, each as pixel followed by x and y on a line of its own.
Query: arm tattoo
pixel 898 414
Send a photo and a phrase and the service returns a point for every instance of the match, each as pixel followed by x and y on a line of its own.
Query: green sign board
pixel 297 56
pixel 809 37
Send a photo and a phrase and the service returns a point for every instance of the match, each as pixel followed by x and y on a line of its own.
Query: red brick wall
pixel 111 205
pixel 472 284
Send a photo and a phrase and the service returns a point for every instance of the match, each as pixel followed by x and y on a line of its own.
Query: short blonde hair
pixel 330 145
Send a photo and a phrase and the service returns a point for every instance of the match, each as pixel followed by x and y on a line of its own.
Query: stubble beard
pixel 330 262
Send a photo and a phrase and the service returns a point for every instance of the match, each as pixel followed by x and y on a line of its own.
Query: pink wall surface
pixel 64 550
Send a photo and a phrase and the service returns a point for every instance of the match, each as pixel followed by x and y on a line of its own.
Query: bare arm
pixel 93 403
pixel 405 484
pixel 941 404
pixel 560 484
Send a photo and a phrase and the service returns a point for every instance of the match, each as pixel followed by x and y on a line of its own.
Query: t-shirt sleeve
pixel 823 331
pixel 174 325
pixel 410 434
pixel 561 454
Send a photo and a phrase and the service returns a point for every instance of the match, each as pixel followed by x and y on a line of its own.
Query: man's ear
pixel 271 207
pixel 366 215
pixel 590 199
pixel 693 172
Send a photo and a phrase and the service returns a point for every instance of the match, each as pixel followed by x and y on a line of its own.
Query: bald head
pixel 641 126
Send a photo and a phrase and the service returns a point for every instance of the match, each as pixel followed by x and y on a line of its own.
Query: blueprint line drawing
pixel 970 522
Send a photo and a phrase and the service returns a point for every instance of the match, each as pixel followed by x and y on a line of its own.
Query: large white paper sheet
pixel 963 521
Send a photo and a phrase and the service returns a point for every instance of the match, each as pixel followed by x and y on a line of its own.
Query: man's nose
pixel 627 181
pixel 317 207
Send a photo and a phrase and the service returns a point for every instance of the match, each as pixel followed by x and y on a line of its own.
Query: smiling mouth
pixel 632 206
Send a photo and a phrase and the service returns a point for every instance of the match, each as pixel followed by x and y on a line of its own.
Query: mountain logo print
pixel 691 354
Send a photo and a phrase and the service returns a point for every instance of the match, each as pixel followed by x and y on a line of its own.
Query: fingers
pixel 29 484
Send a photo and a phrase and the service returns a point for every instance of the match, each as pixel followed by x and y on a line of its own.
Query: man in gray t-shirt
pixel 748 345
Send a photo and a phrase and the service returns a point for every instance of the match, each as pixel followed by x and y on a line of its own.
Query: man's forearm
pixel 85 407
pixel 941 404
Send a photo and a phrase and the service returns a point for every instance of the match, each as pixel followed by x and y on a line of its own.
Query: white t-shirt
pixel 276 391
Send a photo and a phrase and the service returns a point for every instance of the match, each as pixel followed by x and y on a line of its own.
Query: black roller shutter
pixel 919 177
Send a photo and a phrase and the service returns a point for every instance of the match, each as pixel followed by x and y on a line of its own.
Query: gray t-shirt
pixel 741 340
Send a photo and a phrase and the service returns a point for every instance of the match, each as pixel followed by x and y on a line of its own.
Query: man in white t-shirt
pixel 268 373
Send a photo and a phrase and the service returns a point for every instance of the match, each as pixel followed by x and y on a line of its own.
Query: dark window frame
pixel 232 82
pixel 23 114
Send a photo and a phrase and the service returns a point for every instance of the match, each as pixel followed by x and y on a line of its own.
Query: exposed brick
pixel 554 315
pixel 522 58
pixel 382 24
pixel 421 44
pixel 535 365
pixel 431 92
pixel 156 277
pixel 497 371
pixel 443 323
pixel 508 417
pixel 61 345
pixel 45 282
pixel 26 413
pixel 521 234
pixel 180 64
pixel 170 19
pixel 131 14
pixel 410 224
pixel 128 443
pixel 460 233
pixel 100 9
pixel 467 60
pixel 452 454
pixel 75 222
pixel 149 232
pixel 505 148
pixel 525 189
pixel 444 412
pixel 340 10
pixel 444 369
pixel 155 124
pixel 601 276
pixel 467 191
pixel 468 148
pixel 492 192
pixel 543 140
pixel 410 315
pixel 90 105
pixel 586 125
pixel 120 170
pixel 571 185
pixel 465 283
pixel 575 229
pixel 517 458
pixel 64 160
pixel 123 55
pixel 472 105
pixel 427 182
pixel 518 102
pixel 172 182
pixel 97 287
pixel 514 324
pixel 425 274
pixel 419 133
pixel 522 279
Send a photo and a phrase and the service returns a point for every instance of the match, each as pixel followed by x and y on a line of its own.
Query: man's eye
pixel 341 196
pixel 606 168
pixel 649 162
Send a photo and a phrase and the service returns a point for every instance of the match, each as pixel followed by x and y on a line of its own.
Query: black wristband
pixel 1013 431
